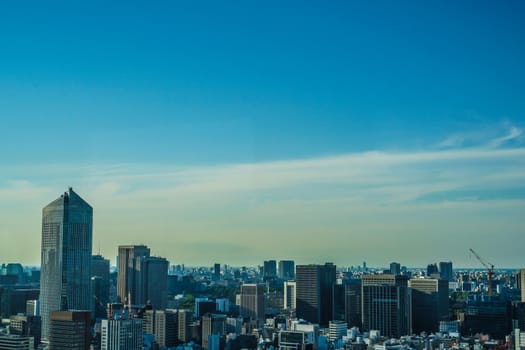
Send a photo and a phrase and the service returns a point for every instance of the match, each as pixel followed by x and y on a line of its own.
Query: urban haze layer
pixel 76 300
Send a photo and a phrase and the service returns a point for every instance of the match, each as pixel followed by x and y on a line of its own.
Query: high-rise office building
pixel 184 320
pixel 445 270
pixel 488 315
pixel 100 299
pixel 121 334
pixel 314 292
pixel 270 269
pixel 13 299
pixel 429 303
pixel 353 302
pixel 69 330
pixel 163 324
pixel 100 267
pixel 216 272
pixel 289 295
pixel 338 302
pixel 432 269
pixel 287 270
pixel 252 301
pixel 212 324
pixel 67 230
pixel 386 304
pixel 33 307
pixel 130 277
pixel 155 282
pixel 395 268
pixel 522 285
pixel 99 284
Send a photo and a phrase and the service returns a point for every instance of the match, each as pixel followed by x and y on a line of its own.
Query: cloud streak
pixel 319 201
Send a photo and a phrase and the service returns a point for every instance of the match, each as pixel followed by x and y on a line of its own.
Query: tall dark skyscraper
pixel 154 282
pixel 314 292
pixel 270 269
pixel 445 270
pixel 395 268
pixel 217 271
pixel 99 284
pixel 67 234
pixel 353 303
pixel 429 303
pixel 129 281
pixel 386 304
pixel 287 270
pixel 432 269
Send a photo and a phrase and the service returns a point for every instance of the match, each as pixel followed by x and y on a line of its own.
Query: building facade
pixel 212 324
pixel 429 303
pixel 290 288
pixel 252 301
pixel 287 270
pixel 121 334
pixel 130 278
pixel 314 292
pixel 270 269
pixel 386 304
pixel 69 330
pixel 446 271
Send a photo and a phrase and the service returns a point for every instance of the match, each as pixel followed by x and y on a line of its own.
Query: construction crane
pixel 489 266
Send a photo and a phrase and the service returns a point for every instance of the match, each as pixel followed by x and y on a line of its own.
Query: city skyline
pixel 239 133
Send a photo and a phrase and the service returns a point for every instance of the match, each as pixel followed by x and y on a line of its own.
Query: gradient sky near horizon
pixel 239 131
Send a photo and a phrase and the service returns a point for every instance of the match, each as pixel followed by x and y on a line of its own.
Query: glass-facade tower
pixel 67 234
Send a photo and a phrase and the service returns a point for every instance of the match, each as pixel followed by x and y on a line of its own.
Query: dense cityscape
pixel 76 300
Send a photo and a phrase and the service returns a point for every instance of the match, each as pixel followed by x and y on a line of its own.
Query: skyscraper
pixel 287 270
pixel 252 301
pixel 432 269
pixel 67 225
pixel 129 272
pixel 522 285
pixel 217 271
pixel 163 324
pixel 289 295
pixel 314 292
pixel 429 303
pixel 386 304
pixel 184 320
pixel 270 269
pixel 212 324
pixel 395 268
pixel 99 285
pixel 353 303
pixel 445 270
pixel 154 282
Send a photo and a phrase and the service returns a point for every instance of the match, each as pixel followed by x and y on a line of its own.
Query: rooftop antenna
pixel 99 247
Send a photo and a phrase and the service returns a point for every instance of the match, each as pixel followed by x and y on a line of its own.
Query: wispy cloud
pixel 371 194
pixel 513 134
pixel 493 136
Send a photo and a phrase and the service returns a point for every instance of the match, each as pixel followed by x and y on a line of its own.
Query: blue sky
pixel 229 124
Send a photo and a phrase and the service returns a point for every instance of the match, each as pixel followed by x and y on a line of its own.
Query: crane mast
pixel 489 266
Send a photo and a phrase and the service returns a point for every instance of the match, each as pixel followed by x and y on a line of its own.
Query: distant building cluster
pixel 76 300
